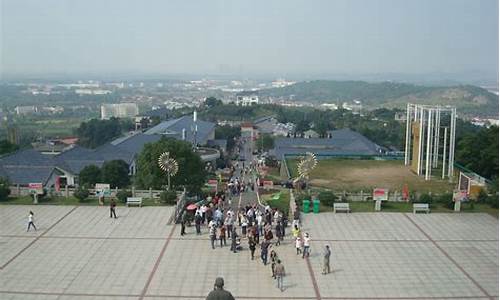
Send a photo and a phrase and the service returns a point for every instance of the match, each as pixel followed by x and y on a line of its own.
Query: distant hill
pixel 469 100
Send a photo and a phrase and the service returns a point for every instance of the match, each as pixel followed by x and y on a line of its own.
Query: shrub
pixel 81 193
pixel 327 198
pixel 4 189
pixel 425 198
pixel 122 195
pixel 492 200
pixel 482 197
pixel 168 197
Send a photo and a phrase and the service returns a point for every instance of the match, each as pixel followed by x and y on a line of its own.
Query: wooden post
pixel 150 193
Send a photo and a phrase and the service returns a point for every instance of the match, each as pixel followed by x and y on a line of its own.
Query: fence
pixel 19 191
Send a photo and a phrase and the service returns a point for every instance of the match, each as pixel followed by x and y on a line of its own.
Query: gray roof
pixel 174 129
pixel 343 142
pixel 27 166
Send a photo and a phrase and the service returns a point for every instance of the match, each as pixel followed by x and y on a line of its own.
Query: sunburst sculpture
pixel 168 165
pixel 306 165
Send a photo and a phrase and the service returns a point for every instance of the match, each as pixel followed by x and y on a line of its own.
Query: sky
pixel 254 37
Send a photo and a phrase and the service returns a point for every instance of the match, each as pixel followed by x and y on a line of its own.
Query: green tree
pixel 115 172
pixel 90 175
pixel 266 142
pixel 212 102
pixel 479 152
pixel 228 133
pixel 191 172
pixel 98 132
pixel 7 147
pixel 4 189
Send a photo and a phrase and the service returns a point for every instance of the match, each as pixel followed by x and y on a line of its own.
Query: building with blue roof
pixel 30 166
pixel 343 142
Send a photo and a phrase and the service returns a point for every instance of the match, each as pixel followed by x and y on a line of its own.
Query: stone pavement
pixel 80 253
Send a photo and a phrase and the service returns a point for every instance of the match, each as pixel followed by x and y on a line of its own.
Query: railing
pixel 19 191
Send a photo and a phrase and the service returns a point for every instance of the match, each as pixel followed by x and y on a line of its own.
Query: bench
pixel 341 206
pixel 421 207
pixel 134 200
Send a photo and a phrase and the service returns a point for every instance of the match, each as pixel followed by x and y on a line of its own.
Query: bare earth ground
pixel 356 175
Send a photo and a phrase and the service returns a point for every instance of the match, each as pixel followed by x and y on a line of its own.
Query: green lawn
pixel 406 207
pixel 283 203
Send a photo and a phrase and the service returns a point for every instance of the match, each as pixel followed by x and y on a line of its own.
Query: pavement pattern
pixel 81 253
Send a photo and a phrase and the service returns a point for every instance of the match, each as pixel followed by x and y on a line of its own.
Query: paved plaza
pixel 80 253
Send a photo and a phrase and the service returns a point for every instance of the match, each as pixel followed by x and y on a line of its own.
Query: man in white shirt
pixel 307 241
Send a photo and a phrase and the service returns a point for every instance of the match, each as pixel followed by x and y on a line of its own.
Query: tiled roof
pixel 175 127
pixel 343 142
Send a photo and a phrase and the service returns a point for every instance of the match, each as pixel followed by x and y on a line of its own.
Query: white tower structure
pixel 430 138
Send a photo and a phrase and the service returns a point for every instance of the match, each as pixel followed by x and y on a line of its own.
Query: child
pixel 298 245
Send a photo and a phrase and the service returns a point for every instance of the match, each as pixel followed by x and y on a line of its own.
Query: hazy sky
pixel 249 37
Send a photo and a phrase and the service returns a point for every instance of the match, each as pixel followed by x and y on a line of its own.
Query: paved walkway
pixel 80 253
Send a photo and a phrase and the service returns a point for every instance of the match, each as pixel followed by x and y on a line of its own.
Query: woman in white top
pixel 31 221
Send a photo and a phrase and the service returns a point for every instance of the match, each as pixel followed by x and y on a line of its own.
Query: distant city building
pixel 92 92
pixel 278 83
pixel 247 100
pixel 400 116
pixel 26 110
pixel 355 106
pixel 331 106
pixel 119 110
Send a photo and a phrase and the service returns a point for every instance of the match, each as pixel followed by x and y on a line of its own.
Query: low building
pixel 119 110
pixel 26 110
pixel 311 134
pixel 247 100
pixel 31 166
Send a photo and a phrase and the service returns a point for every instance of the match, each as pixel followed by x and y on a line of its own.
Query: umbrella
pixel 191 207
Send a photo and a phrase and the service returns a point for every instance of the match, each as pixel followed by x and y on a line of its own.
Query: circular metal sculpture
pixel 306 165
pixel 168 165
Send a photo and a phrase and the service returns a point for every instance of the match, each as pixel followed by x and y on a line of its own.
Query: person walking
pixel 219 293
pixel 234 237
pixel 183 223
pixel 197 221
pixel 298 245
pixel 212 231
pixel 264 246
pixel 244 225
pixel 31 221
pixel 274 260
pixel 326 260
pixel 251 245
pixel 112 207
pixel 279 271
pixel 222 235
pixel 278 233
pixel 305 251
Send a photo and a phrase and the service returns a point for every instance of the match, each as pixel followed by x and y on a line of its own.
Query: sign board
pixel 103 189
pixel 459 196
pixel 380 194
pixel 212 183
pixel 36 188
pixel 464 182
pixel 267 184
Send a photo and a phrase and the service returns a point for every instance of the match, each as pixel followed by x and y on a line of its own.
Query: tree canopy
pixel 115 172
pixel 89 176
pixel 191 172
pixel 96 132
pixel 479 152
pixel 7 147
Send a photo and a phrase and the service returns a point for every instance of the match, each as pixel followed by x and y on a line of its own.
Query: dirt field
pixel 356 175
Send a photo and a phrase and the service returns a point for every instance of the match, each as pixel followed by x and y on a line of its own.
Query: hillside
pixel 469 100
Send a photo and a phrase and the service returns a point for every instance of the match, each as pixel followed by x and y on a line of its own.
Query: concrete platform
pixel 80 253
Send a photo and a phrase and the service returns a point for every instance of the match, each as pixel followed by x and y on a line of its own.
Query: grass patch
pixel 356 175
pixel 282 204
